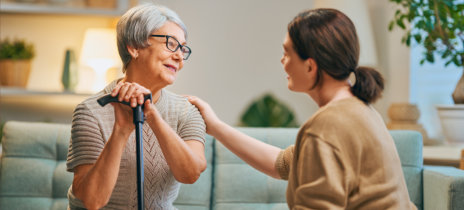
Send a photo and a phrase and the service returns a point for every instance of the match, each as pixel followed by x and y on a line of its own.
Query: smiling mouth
pixel 170 67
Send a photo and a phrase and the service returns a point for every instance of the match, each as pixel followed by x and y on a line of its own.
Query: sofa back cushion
pixel 239 186
pixel 33 169
pixel 409 147
pixel 33 166
pixel 197 196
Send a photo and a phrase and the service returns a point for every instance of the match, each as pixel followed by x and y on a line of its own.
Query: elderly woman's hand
pixel 132 93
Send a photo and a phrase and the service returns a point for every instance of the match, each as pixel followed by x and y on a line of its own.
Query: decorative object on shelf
pixel 99 51
pixel 404 116
pixel 15 62
pixel 437 26
pixel 267 111
pixel 69 77
pixel 452 122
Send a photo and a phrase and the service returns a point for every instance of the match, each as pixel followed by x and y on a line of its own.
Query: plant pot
pixel 458 94
pixel 452 122
pixel 14 72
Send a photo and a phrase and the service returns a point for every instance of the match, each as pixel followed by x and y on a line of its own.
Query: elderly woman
pixel 152 46
pixel 343 157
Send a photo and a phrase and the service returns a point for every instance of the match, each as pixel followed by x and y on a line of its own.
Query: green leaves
pixel 438 25
pixel 17 49
pixel 267 111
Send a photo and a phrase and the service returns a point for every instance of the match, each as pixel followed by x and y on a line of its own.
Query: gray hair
pixel 136 25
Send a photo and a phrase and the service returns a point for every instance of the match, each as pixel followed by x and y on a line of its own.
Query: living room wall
pixel 237 46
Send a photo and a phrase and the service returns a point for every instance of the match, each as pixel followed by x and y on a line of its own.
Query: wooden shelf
pixel 26 105
pixel 44 8
pixel 447 155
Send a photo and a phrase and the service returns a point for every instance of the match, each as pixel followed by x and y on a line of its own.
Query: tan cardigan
pixel 344 158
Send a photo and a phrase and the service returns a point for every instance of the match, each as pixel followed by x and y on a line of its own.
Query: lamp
pixel 357 11
pixel 100 53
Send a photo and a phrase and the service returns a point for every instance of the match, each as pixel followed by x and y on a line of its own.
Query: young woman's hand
pixel 212 121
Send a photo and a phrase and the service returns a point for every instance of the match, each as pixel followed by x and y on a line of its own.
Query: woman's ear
pixel 134 52
pixel 311 65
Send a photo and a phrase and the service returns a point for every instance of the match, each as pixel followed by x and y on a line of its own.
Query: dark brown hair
pixel 329 37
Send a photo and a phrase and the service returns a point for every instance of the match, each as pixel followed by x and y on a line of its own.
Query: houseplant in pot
pixel 267 111
pixel 438 26
pixel 15 62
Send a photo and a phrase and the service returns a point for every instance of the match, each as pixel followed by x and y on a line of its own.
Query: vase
pixel 404 116
pixel 452 123
pixel 458 94
pixel 69 76
pixel 14 72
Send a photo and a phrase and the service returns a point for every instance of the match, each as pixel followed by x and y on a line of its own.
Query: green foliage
pixel 17 49
pixel 268 112
pixel 438 26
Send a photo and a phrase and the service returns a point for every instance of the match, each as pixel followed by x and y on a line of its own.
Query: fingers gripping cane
pixel 138 121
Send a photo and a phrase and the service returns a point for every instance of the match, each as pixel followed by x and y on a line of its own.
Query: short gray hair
pixel 136 25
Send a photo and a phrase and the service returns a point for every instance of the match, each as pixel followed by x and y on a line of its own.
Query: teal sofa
pixel 33 173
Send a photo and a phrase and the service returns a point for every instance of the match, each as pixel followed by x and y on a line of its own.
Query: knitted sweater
pixel 344 158
pixel 92 126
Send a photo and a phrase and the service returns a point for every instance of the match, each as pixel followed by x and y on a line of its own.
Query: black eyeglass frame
pixel 178 46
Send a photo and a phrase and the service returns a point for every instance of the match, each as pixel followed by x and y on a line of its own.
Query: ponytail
pixel 369 84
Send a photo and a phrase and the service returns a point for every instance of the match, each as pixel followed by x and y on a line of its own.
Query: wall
pixel 237 46
pixel 237 49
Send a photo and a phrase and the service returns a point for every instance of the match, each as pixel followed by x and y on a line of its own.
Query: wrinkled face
pixel 296 68
pixel 158 60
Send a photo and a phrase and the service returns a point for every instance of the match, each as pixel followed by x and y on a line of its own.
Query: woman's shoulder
pixel 341 111
pixel 173 97
pixel 174 103
pixel 344 118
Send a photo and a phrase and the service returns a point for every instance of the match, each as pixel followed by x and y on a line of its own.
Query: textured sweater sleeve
pixel 321 175
pixel 192 126
pixel 283 162
pixel 86 141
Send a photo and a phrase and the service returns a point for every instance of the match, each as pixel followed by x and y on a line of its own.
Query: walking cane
pixel 138 121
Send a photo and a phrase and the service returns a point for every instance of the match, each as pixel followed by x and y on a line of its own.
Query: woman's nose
pixel 178 55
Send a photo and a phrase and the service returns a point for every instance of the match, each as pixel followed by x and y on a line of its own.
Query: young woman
pixel 344 156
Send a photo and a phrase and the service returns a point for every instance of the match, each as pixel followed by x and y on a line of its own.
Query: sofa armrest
pixel 443 188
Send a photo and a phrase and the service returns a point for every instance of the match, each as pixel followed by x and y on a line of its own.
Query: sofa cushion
pixel 409 147
pixel 32 173
pixel 197 196
pixel 239 186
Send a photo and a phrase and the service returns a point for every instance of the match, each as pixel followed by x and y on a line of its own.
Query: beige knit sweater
pixel 344 158
pixel 91 128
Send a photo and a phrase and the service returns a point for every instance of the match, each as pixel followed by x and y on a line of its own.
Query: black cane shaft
pixel 140 172
pixel 138 122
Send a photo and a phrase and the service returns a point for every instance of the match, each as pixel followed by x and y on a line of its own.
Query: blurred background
pixel 236 45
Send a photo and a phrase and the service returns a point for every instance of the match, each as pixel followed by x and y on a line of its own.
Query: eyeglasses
pixel 173 44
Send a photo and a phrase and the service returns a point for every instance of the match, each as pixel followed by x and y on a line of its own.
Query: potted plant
pixel 15 62
pixel 438 25
pixel 267 111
